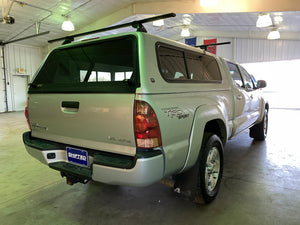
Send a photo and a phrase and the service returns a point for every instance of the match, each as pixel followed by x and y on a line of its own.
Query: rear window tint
pixel 172 64
pixel 177 65
pixel 105 66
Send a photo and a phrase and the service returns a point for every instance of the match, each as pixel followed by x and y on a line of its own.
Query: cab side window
pixel 235 73
pixel 247 79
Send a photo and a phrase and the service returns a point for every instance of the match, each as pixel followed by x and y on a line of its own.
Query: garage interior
pixel 261 180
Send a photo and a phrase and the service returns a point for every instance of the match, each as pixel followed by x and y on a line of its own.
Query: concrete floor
pixel 261 185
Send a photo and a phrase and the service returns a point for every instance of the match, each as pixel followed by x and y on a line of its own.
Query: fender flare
pixel 204 114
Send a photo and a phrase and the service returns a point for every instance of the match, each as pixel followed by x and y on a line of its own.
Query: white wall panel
pixel 18 56
pixel 245 50
pixel 2 84
pixel 258 50
pixel 2 93
pixel 26 57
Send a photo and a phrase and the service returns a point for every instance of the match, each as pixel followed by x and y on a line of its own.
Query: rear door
pixel 84 94
pixel 242 100
pixel 253 92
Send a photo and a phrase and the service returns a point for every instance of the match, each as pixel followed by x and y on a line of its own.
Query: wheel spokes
pixel 212 169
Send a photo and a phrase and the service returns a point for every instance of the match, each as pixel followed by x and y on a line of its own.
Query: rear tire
pixel 210 169
pixel 259 131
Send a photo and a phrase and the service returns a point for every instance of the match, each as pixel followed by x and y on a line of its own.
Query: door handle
pixel 239 97
pixel 69 107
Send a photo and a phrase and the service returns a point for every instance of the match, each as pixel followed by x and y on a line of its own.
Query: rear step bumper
pixel 113 169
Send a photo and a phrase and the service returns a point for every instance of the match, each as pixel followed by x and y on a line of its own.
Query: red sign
pixel 211 49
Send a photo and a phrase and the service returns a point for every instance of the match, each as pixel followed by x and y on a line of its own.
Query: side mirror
pixel 261 84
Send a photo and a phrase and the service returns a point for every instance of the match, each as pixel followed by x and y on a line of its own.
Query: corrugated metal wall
pixel 244 50
pixel 26 57
pixel 2 87
pixel 18 56
pixel 259 50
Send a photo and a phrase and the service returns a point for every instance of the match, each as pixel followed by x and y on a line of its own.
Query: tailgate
pixel 83 95
pixel 96 121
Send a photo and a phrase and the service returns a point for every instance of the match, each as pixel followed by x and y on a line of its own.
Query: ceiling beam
pixel 193 6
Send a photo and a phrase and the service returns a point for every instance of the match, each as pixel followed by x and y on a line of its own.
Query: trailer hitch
pixel 71 179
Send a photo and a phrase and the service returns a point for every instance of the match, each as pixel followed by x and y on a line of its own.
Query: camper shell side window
pixel 180 65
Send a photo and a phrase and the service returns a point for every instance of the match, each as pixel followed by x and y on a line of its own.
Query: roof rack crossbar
pixel 204 47
pixel 138 24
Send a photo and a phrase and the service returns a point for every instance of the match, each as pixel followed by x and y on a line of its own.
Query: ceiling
pixel 95 14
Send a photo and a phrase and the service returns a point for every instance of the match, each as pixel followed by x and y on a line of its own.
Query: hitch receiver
pixel 70 179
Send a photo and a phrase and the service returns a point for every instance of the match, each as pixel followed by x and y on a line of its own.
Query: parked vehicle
pixel 134 108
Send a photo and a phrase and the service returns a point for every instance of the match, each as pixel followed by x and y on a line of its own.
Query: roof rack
pixel 138 24
pixel 204 47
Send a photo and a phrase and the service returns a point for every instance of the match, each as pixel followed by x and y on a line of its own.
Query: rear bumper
pixel 110 169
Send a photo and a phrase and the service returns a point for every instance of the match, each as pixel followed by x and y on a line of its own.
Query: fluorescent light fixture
pixel 278 19
pixel 209 3
pixel 264 20
pixel 185 32
pixel 158 23
pixel 274 34
pixel 67 25
pixel 187 19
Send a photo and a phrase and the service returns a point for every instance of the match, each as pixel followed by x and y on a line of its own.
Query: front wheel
pixel 210 169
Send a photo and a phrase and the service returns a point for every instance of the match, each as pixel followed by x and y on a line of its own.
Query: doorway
pixel 20 92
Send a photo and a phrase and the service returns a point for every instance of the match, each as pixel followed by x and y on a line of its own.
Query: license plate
pixel 78 156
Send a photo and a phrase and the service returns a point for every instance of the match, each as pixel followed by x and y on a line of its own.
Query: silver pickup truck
pixel 134 108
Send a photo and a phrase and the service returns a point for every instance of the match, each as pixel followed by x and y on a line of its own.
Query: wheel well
pixel 217 127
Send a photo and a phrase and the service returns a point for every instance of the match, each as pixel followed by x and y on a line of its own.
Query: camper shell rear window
pixel 180 65
pixel 107 66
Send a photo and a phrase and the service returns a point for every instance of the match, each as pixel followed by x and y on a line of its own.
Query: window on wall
pixel 179 65
pixel 98 76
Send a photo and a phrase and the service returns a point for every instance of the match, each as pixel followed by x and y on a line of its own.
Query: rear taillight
pixel 147 131
pixel 27 115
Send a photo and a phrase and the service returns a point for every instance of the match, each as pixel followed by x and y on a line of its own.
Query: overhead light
pixel 67 25
pixel 8 19
pixel 274 34
pixel 209 3
pixel 158 23
pixel 264 20
pixel 185 32
pixel 187 19
pixel 278 19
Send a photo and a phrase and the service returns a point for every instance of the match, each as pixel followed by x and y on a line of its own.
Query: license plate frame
pixel 77 156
